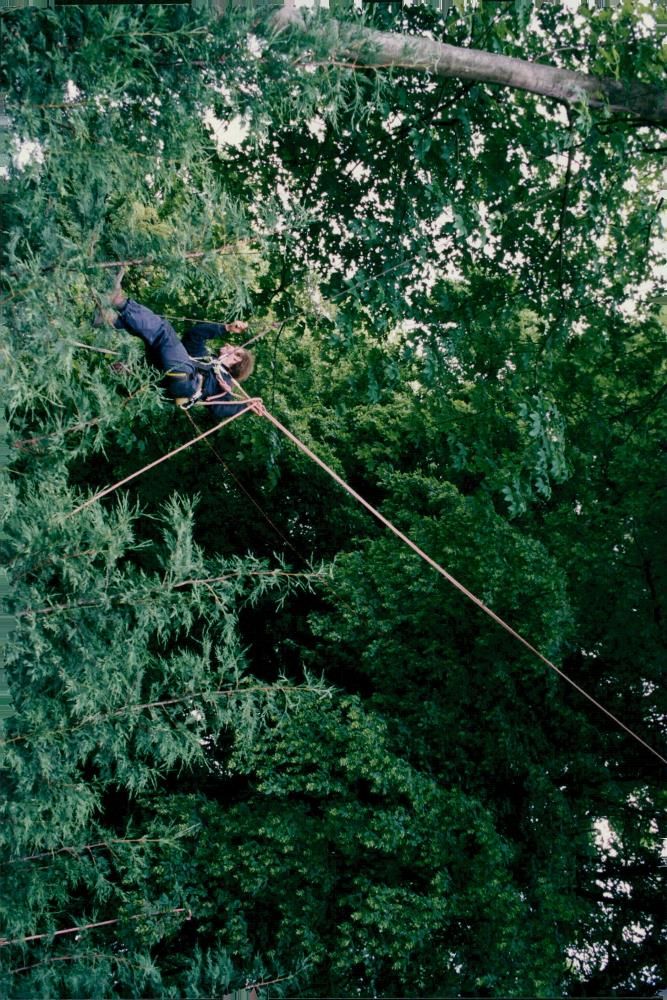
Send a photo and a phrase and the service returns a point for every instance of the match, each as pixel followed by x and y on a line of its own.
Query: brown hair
pixel 242 369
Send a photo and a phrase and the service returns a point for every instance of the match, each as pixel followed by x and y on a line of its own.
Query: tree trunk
pixel 366 47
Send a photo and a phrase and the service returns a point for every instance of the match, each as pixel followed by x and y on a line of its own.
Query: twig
pixel 85 927
pixel 561 218
pixel 89 347
pixel 245 491
pixel 188 255
pixel 229 576
pixel 86 847
pixel 77 957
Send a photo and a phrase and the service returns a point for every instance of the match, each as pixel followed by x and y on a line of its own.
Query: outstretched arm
pixel 207 331
pixel 196 336
pixel 195 339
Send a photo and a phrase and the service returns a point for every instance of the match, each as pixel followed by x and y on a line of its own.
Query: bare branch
pixel 366 48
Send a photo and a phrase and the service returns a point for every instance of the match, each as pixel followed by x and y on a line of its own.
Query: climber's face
pixel 237 361
pixel 230 355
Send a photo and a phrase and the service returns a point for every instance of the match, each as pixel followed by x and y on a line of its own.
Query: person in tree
pixel 191 375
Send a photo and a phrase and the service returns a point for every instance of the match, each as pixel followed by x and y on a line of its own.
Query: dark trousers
pixel 163 348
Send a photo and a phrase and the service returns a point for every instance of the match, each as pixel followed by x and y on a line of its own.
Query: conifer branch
pixel 91 347
pixel 106 844
pixel 4 942
pixel 188 255
pixel 44 437
pixel 75 427
pixel 126 709
pixel 221 692
pixel 242 573
pixel 78 957
pixel 53 608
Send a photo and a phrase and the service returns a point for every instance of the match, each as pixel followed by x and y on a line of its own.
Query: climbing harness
pixel 205 365
pixel 220 370
pixel 185 402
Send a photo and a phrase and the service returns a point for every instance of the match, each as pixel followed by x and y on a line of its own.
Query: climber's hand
pixel 237 326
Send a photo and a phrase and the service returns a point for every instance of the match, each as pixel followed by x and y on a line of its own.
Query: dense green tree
pixel 254 740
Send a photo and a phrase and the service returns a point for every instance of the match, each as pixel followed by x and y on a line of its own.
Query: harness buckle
pixel 185 402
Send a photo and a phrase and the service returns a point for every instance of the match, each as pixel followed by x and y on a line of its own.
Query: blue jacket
pixel 177 358
pixel 194 341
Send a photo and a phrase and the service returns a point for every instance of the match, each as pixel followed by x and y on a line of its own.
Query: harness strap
pixel 205 365
pixel 185 402
pixel 219 370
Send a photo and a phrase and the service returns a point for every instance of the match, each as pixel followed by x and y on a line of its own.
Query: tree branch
pixel 367 48
pixel 84 927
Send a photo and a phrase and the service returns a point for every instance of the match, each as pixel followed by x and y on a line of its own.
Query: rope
pixel 195 319
pixel 256 406
pixel 154 261
pixel 193 254
pixel 262 333
pixel 247 493
pixel 262 411
pixel 333 298
pixel 110 489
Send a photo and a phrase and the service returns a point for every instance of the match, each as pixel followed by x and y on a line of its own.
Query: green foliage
pixel 254 738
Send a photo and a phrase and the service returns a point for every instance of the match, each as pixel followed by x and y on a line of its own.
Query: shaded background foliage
pixel 268 743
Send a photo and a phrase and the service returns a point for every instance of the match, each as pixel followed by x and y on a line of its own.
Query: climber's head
pixel 238 362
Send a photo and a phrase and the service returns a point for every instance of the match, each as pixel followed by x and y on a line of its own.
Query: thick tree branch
pixel 368 48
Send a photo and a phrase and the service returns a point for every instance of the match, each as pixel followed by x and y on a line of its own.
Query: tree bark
pixel 368 48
